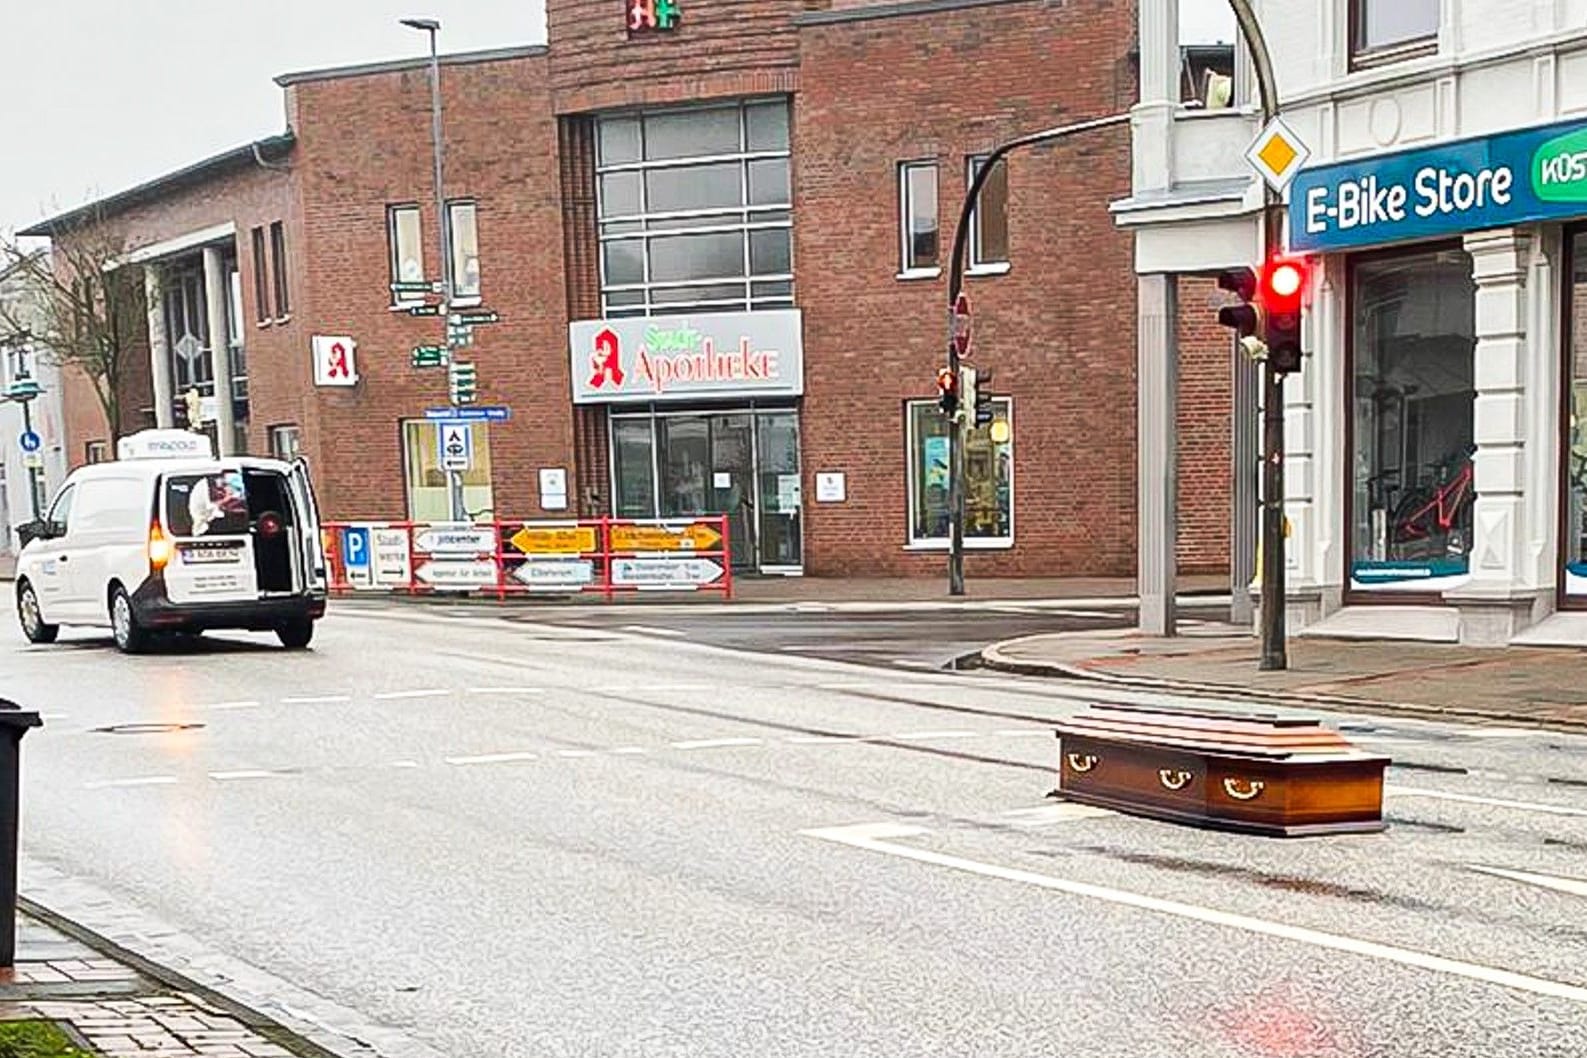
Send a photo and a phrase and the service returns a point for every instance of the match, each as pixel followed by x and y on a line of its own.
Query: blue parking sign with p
pixel 355 547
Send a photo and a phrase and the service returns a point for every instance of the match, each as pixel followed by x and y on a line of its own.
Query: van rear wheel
pixel 131 637
pixel 32 617
pixel 296 633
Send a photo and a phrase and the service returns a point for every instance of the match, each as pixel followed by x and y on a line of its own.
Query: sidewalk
pixel 8 566
pixel 64 992
pixel 1533 685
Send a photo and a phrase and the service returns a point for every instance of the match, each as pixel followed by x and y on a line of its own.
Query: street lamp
pixel 432 27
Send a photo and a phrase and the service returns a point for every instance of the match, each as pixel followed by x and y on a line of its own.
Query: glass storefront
pixel 988 476
pixel 1573 545
pixel 1412 396
pixel 429 485
pixel 743 463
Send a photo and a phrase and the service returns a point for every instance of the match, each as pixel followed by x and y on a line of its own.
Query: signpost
pixel 456 540
pixel 474 413
pixel 393 558
pixel 664 538
pixel 474 318
pixel 466 574
pixel 430 356
pixel 961 325
pixel 423 310
pixel 417 286
pixel 356 556
pixel 29 441
pixel 665 573
pixel 456 443
pixel 555 574
pixel 554 540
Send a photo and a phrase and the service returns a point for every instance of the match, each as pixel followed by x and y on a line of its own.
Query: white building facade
pixel 26 477
pixel 1436 440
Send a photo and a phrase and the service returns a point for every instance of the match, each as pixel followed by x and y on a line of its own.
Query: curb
pixel 994 657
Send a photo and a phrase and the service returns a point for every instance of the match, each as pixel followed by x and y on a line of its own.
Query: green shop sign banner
pixel 1487 182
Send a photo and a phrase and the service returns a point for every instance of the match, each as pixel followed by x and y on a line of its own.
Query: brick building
pixel 716 241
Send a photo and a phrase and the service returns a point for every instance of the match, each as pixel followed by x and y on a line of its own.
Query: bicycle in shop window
pixel 1434 519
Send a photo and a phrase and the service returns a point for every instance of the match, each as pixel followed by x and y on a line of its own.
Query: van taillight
pixel 159 548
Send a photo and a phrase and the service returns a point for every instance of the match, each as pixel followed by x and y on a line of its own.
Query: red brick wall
pixel 1205 407
pixel 1059 329
pixel 720 48
pixel 364 143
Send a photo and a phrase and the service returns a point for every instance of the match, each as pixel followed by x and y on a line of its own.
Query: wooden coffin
pixel 1252 772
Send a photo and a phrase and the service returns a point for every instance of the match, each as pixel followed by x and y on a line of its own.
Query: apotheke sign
pixel 665 358
pixel 1489 182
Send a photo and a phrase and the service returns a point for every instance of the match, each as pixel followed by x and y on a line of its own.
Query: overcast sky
pixel 104 94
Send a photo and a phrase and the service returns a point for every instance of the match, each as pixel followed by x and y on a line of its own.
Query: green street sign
pixel 463 382
pixel 24 390
pixel 430 356
pixel 423 310
pixel 459 339
pixel 473 319
pixel 416 286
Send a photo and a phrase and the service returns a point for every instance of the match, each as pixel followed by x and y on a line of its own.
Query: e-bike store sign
pixel 1490 182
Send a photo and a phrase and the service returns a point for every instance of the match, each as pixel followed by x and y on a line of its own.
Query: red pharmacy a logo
pixel 606 362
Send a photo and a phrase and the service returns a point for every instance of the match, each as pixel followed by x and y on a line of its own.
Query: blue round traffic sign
pixel 30 441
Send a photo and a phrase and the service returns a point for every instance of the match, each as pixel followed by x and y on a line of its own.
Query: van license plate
pixel 194 556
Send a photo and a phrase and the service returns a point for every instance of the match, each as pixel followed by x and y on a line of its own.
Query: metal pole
pixel 955 285
pixel 1273 594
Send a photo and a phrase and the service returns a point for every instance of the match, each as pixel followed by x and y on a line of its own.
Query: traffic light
pixel 981 397
pixel 1244 317
pixel 1283 291
pixel 463 380
pixel 948 392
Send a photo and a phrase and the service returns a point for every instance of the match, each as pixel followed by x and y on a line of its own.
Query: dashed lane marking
pixel 630 751
pixel 715 743
pixel 146 780
pixel 235 705
pixel 403 764
pixel 393 696
pixel 506 690
pixel 244 773
pixel 575 753
pixel 492 758
pixel 1496 802
pixel 1574 886
pixel 882 838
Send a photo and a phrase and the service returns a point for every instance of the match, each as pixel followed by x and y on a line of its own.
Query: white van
pixel 170 539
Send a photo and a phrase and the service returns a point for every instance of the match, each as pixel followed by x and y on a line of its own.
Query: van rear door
pixel 205 514
pixel 312 545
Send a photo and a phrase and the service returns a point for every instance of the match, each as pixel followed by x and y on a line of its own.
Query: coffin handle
pixel 1174 779
pixel 1243 789
pixel 1082 762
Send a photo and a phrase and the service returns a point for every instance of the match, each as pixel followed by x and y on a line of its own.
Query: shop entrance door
pixel 707 468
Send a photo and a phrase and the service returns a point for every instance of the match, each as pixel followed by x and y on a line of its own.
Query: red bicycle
pixel 1434 520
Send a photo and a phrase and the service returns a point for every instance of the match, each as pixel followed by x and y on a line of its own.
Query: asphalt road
pixel 538 840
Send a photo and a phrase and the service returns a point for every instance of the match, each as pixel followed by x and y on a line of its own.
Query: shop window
pixel 1384 31
pixel 278 260
pixel 429 484
pixel 1413 395
pixel 917 198
pixel 695 209
pixel 286 442
pixel 988 476
pixel 406 240
pixel 462 240
pixel 1574 544
pixel 261 277
pixel 989 219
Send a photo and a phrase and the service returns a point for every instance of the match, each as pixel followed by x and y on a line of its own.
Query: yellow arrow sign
pixel 554 539
pixel 663 538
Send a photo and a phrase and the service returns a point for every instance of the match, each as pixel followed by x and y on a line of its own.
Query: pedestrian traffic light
pixel 1283 291
pixel 981 401
pixel 948 392
pixel 463 380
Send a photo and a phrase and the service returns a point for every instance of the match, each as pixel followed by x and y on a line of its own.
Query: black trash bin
pixel 14 723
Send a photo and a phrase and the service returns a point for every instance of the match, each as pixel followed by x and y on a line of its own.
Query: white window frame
pixel 980 266
pixel 280 430
pixel 742 219
pixel 474 297
pixel 906 267
pixel 394 258
pixel 912 473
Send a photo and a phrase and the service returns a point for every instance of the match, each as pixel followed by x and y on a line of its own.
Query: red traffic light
pixel 946 380
pixel 1283 282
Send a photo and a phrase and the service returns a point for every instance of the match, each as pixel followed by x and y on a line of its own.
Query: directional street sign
pixel 477 413
pixel 430 356
pixel 553 574
pixel 464 382
pixel 684 573
pixel 356 555
pixel 466 318
pixel 29 441
pixel 479 573
pixel 393 560
pixel 456 540
pixel 459 339
pixel 664 538
pixel 23 390
pixel 456 442
pixel 418 286
pixel 423 310
pixel 554 539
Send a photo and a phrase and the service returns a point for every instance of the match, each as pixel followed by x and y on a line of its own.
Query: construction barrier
pixel 608 556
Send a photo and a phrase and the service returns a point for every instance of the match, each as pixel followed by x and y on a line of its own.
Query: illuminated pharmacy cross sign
pixel 652 14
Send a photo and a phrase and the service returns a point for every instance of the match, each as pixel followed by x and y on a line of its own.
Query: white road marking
pixel 245 773
pixel 392 696
pixel 575 753
pixel 147 780
pixel 652 630
pixel 322 699
pixel 404 764
pixel 492 758
pixel 879 838
pixel 629 751
pixel 54 716
pixel 506 690
pixel 1496 802
pixel 1046 815
pixel 1574 886
pixel 822 740
pixel 932 736
pixel 234 705
pixel 911 663
pixel 715 743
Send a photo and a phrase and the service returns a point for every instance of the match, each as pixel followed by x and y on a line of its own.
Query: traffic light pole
pixel 1274 654
pixel 965 418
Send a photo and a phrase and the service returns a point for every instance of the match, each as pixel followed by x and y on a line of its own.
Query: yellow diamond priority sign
pixel 1278 154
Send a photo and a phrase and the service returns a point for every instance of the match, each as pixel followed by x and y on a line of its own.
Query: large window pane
pixel 620 194
pixel 1389 23
pixel 768 182
pixel 618 140
pixel 429 490
pixel 407 247
pixel 1413 393
pixel 768 126
pixel 770 252
pixel 463 236
pixel 781 493
pixel 989 468
pixel 685 465
pixel 625 261
pixel 694 295
pixel 1575 542
pixel 635 470
pixel 692 133
pixel 919 192
pixel 677 257
pixel 717 186
pixel 989 221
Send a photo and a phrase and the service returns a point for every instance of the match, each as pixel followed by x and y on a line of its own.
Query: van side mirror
pixel 38 529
